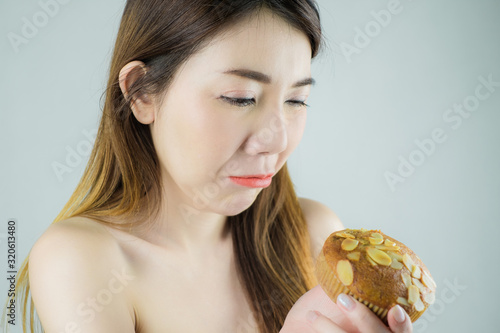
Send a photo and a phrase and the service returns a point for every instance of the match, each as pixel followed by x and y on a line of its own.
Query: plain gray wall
pixel 391 80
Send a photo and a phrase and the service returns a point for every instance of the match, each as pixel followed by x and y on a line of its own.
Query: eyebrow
pixel 263 78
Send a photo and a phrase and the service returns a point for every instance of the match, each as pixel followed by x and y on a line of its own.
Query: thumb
pixel 399 321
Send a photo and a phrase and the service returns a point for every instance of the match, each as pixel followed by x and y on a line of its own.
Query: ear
pixel 142 105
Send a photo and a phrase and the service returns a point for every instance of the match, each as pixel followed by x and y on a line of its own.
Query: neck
pixel 180 226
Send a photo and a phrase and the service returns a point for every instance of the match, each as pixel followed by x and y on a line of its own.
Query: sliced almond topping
pixel 428 281
pixel 406 279
pixel 402 301
pixel 345 235
pixel 387 248
pixel 429 298
pixel 416 272
pixel 408 262
pixel 371 260
pixel 389 243
pixel 396 264
pixel 344 272
pixel 376 238
pixel 379 257
pixel 364 241
pixel 418 284
pixel 413 294
pixel 395 256
pixel 419 305
pixel 354 256
pixel 375 241
pixel 349 244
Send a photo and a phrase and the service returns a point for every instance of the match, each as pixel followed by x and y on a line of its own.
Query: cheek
pixel 194 140
pixel 295 131
pixel 299 128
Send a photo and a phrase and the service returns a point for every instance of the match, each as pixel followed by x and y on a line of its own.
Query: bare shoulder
pixel 321 222
pixel 78 279
pixel 78 238
pixel 73 229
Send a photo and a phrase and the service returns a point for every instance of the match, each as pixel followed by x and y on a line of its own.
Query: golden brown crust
pixel 376 270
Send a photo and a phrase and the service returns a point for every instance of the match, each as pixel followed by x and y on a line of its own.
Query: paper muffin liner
pixel 333 287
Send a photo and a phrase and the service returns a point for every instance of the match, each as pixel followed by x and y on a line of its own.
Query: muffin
pixel 376 270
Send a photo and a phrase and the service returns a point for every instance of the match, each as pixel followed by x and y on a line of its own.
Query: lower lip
pixel 252 182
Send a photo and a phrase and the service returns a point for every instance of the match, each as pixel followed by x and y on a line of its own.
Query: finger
pixel 322 324
pixel 399 321
pixel 362 317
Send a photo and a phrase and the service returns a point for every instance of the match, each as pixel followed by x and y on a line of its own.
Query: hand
pixel 314 312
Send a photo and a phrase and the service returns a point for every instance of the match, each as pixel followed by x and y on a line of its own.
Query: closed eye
pixel 241 102
pixel 297 103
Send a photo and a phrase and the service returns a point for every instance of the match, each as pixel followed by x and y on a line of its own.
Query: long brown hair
pixel 123 176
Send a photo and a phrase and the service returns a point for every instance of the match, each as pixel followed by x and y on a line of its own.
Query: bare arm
pixel 79 282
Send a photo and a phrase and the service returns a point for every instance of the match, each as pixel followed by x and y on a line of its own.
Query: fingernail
pixel 399 314
pixel 311 316
pixel 346 302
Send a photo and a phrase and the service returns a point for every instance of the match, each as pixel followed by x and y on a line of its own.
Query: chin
pixel 237 203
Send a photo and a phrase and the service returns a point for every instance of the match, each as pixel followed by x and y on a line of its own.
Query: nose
pixel 269 135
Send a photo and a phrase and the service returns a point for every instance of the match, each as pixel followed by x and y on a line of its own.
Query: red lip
pixel 256 176
pixel 254 181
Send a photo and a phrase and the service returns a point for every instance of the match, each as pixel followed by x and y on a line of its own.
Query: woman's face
pixel 236 108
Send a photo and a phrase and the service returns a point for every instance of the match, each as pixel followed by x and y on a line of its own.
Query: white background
pixel 367 111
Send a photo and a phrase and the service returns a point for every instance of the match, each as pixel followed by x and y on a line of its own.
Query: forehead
pixel 263 42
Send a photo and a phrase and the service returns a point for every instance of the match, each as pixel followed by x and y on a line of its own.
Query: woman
pixel 186 219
